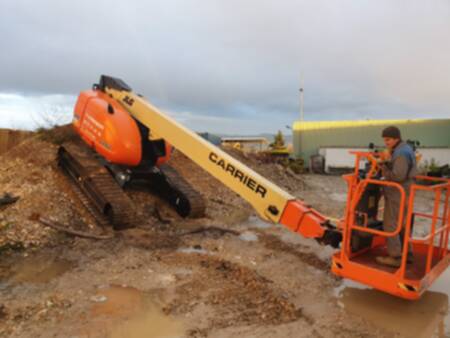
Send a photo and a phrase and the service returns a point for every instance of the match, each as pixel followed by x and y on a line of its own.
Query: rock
pixel 99 299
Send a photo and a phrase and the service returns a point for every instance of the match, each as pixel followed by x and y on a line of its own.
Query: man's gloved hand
pixel 384 156
pixel 384 160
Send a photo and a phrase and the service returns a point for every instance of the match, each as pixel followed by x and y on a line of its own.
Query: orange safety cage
pixel 431 254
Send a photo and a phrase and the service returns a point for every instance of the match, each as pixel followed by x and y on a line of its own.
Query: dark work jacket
pixel 400 169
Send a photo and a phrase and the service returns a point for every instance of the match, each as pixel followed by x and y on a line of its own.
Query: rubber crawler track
pixel 182 191
pixel 96 188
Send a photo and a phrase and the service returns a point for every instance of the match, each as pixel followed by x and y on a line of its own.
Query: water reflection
pixel 126 312
pixel 427 317
pixel 442 284
pixel 41 268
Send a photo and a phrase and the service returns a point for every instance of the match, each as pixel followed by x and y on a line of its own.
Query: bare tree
pixel 50 116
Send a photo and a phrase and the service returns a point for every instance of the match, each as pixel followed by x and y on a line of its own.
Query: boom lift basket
pixel 431 253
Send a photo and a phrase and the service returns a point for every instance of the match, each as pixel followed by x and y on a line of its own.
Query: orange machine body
pixel 111 131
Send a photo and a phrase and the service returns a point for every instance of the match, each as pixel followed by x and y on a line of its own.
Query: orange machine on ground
pixel 129 142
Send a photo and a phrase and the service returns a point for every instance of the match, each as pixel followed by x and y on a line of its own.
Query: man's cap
pixel 392 132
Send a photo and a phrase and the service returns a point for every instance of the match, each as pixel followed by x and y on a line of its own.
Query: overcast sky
pixel 230 66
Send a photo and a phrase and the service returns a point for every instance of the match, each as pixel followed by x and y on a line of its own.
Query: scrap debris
pixel 211 229
pixel 59 227
pixel 8 198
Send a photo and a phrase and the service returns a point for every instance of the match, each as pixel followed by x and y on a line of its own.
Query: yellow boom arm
pixel 267 199
pixel 271 202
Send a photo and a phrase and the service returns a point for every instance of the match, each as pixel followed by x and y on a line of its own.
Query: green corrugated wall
pixel 309 136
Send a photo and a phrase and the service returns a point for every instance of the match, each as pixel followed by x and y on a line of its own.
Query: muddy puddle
pixel 427 317
pixel 126 312
pixel 34 269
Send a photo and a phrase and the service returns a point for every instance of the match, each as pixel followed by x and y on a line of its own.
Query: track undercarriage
pixel 100 187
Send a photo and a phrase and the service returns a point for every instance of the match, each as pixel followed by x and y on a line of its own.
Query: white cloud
pixel 31 112
pixel 34 111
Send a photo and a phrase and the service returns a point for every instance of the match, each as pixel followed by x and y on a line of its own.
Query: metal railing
pixel 440 188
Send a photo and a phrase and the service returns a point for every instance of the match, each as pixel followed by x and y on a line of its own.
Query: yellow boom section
pixel 267 199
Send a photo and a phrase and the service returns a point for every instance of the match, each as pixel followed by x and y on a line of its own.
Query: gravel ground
pixel 250 279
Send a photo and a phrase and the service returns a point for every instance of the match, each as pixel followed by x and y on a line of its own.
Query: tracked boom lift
pixel 128 140
pixel 120 150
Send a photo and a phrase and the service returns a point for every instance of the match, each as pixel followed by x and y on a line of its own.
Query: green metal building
pixel 309 136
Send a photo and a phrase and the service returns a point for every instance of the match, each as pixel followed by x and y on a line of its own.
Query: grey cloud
pixel 239 59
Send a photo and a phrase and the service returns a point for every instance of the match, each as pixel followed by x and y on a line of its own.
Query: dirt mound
pixel 264 165
pixel 240 295
pixel 58 135
pixel 29 171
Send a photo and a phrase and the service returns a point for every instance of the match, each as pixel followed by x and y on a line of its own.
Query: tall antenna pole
pixel 302 114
